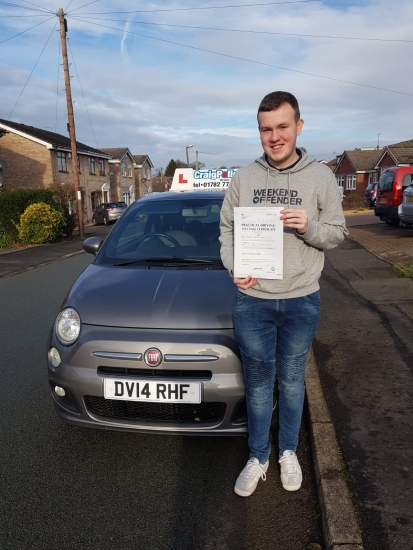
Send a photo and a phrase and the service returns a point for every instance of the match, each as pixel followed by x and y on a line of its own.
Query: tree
pixel 170 169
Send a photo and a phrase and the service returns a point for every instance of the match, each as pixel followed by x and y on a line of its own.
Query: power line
pixel 10 5
pixel 250 60
pixel 84 99
pixel 84 6
pixel 38 59
pixel 246 31
pixel 28 15
pixel 40 7
pixel 27 30
pixel 202 8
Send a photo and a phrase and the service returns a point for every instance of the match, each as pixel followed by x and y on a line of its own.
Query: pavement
pixel 390 244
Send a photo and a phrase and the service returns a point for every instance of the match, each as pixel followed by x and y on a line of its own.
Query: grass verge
pixel 404 270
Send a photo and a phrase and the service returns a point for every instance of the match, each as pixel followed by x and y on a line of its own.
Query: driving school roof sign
pixel 187 179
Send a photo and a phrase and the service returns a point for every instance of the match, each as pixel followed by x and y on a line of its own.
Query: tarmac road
pixel 77 488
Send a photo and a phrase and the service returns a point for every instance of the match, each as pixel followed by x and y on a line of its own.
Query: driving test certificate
pixel 258 242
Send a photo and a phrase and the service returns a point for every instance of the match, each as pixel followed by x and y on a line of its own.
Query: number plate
pixel 409 199
pixel 383 199
pixel 152 391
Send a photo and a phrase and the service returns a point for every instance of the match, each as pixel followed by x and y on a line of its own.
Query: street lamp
pixel 187 157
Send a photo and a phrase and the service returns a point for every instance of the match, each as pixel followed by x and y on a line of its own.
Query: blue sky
pixel 148 93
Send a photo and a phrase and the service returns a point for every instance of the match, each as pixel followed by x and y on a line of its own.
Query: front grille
pixel 202 413
pixel 145 373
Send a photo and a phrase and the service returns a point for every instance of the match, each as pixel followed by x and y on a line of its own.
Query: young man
pixel 275 321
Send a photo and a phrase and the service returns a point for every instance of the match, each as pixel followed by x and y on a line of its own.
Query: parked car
pixel 371 194
pixel 144 340
pixel 108 212
pixel 392 183
pixel 406 207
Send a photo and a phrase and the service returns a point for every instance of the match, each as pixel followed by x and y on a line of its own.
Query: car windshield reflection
pixel 175 230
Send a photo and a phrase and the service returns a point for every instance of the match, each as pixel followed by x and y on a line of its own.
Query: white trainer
pixel 291 476
pixel 248 479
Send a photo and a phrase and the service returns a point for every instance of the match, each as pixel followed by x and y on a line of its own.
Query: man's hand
pixel 245 282
pixel 295 218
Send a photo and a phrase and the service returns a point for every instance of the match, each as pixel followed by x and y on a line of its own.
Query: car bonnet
pixel 154 298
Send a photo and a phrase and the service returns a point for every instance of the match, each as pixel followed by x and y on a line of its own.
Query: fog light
pixel 59 391
pixel 54 357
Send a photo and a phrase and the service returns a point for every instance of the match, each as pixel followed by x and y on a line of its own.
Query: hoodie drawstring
pixel 266 188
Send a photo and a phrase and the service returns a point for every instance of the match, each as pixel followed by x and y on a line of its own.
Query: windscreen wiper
pixel 170 260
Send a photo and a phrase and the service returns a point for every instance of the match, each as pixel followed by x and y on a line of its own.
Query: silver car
pixel 144 340
pixel 406 207
pixel 109 212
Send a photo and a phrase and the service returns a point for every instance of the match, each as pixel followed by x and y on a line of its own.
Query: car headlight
pixel 67 326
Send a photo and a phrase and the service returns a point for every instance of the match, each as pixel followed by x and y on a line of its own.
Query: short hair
pixel 274 100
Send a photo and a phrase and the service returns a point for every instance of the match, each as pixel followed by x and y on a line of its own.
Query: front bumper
pixel 81 375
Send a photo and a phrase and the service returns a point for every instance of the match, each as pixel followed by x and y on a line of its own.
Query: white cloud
pixel 156 97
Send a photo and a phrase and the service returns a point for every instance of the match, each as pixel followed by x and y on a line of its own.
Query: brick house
pixel 143 174
pixel 123 185
pixel 356 169
pixel 398 154
pixel 38 158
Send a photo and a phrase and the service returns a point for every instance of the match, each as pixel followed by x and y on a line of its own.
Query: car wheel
pixel 105 221
pixel 94 220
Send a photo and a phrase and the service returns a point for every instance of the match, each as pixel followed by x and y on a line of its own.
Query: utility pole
pixel 196 161
pixel 75 168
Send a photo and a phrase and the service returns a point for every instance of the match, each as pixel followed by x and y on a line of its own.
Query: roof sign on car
pixel 187 179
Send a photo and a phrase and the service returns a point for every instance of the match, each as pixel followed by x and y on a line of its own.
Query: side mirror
pixel 92 245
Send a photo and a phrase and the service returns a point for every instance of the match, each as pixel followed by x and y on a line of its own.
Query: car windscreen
pixel 386 182
pixel 180 228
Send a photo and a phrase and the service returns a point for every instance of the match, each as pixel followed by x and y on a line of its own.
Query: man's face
pixel 278 132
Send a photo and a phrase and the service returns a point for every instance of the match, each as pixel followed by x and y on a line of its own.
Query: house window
pixel 373 177
pixel 129 170
pixel 351 183
pixel 340 181
pixel 126 197
pixel 92 169
pixel 61 161
pixel 122 169
pixel 101 167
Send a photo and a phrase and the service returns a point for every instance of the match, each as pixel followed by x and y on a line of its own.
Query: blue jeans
pixel 274 337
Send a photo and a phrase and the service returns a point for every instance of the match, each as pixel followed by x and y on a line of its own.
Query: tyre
pixel 105 221
pixel 94 220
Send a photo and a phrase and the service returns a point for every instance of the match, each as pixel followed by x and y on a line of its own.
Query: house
pixel 332 164
pixel 356 169
pixel 122 175
pixel 143 174
pixel 398 154
pixel 38 158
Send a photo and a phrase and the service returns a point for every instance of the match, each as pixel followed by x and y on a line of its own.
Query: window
pixel 122 169
pixel 61 161
pixel 101 166
pixel 351 182
pixel 91 162
pixel 373 177
pixel 407 180
pixel 129 170
pixel 340 181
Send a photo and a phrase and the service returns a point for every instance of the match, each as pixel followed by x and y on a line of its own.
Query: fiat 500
pixel 144 340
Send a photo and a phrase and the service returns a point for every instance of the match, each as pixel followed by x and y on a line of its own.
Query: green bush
pixel 40 223
pixel 13 202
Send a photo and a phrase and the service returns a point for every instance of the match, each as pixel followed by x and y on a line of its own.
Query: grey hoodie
pixel 308 185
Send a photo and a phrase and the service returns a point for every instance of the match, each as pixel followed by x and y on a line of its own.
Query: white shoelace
pixel 250 468
pixel 289 463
